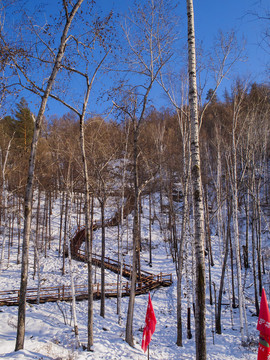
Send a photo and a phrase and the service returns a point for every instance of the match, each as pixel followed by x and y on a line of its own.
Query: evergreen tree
pixel 6 132
pixel 24 125
pixel 211 96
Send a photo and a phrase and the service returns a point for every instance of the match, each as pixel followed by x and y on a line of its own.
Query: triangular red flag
pixel 264 316
pixel 150 325
pixel 264 327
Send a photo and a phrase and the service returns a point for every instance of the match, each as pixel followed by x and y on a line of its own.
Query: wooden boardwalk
pixel 147 282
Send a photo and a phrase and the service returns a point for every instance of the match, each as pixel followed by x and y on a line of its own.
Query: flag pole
pixel 148 353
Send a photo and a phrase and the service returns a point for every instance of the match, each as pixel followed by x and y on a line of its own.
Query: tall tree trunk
pixel 65 234
pixel 232 274
pixel 208 243
pixel 102 302
pixel 234 186
pixel 150 231
pixel 254 258
pixel 30 180
pixel 19 229
pixel 62 207
pixel 228 236
pixel 72 285
pixel 179 271
pixel 119 294
pixel 87 209
pixel 49 219
pixel 119 273
pixel 208 231
pixel 88 220
pixel 246 248
pixel 218 188
pixel 36 242
pixel 45 224
pixel 6 211
pixel 136 242
pixel 200 308
pixel 37 268
pixel 258 235
pixel 181 246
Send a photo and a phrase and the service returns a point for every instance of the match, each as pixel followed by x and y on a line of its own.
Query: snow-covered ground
pixel 49 330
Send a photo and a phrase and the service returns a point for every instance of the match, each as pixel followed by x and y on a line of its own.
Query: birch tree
pixel 200 307
pixel 73 306
pixel 226 53
pixel 146 31
pixel 120 237
pixel 77 59
pixel 5 202
pixel 237 107
pixel 69 16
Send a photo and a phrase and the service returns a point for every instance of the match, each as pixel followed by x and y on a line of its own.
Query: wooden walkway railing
pixel 147 282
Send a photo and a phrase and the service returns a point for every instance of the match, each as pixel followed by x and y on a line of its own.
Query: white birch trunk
pixel 5 204
pixel 200 308
pixel 119 309
pixel 36 249
pixel 136 241
pixel 4 233
pixel 236 227
pixel 87 225
pixel 186 169
pixel 218 191
pixel 74 313
pixel 229 295
pixel 29 188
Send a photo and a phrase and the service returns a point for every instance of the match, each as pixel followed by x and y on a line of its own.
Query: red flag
pixel 264 327
pixel 150 325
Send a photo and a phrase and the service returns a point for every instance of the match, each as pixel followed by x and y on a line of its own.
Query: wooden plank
pixel 147 282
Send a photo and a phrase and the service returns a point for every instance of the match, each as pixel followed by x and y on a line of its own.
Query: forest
pixel 192 178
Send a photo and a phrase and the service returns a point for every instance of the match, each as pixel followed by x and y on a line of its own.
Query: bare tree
pixel 120 237
pixel 200 307
pixel 69 16
pixel 5 203
pixel 78 59
pixel 148 37
pixel 74 313
pixel 234 180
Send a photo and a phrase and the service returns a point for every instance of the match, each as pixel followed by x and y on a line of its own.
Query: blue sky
pixel 211 16
pixel 214 15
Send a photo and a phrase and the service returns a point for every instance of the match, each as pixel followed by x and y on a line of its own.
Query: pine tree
pixel 23 126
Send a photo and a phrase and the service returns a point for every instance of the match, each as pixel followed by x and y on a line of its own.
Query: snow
pixel 49 330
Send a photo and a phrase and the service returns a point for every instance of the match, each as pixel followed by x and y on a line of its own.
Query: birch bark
pixel 88 222
pixel 235 216
pixel 73 294
pixel 31 170
pixel 200 308
pixel 5 204
pixel 148 52
pixel 119 294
